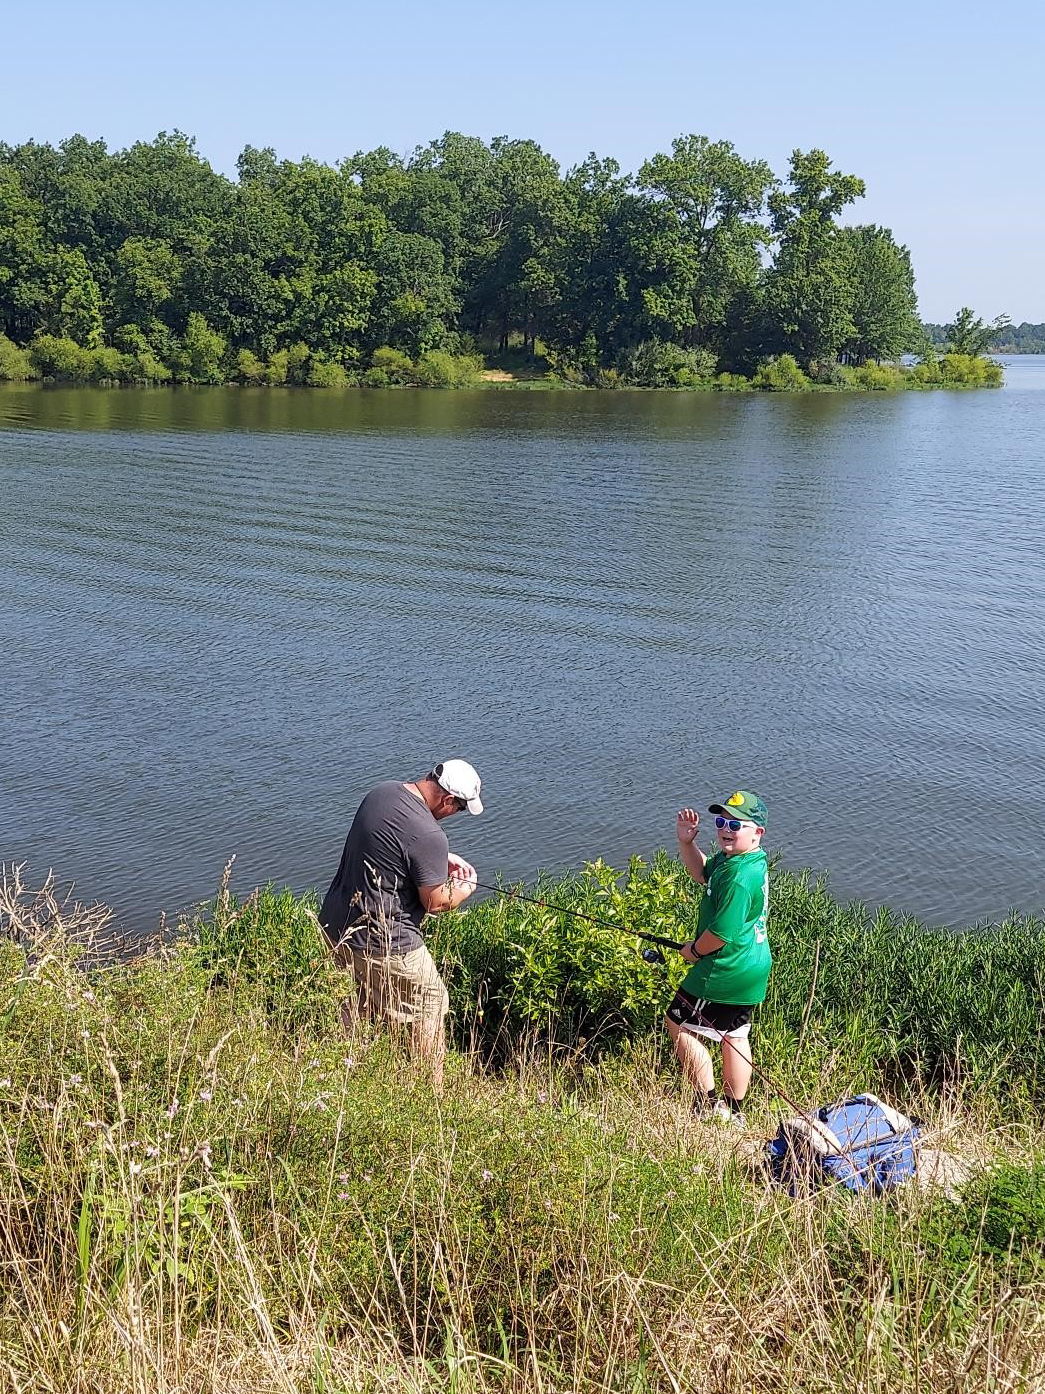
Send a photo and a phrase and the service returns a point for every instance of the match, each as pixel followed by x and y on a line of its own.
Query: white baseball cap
pixel 459 778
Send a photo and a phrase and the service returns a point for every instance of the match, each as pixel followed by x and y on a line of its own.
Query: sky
pixel 938 107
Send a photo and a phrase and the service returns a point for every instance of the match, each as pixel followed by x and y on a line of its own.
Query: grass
pixel 206 1186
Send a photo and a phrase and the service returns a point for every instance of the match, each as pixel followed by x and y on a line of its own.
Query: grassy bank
pixel 205 1185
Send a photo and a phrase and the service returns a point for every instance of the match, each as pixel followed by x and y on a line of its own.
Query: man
pixel 396 868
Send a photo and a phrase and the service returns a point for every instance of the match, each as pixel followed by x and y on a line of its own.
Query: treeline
pixel 1004 337
pixel 146 265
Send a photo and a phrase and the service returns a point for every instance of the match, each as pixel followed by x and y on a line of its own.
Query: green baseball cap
pixel 742 804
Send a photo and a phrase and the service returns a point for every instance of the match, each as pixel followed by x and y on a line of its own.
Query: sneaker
pixel 733 1118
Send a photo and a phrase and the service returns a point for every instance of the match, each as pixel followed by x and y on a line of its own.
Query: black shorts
pixel 711 1019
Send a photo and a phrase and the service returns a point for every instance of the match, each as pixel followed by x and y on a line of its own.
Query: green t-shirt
pixel 735 907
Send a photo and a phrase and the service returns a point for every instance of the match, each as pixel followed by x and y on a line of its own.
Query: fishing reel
pixel 652 955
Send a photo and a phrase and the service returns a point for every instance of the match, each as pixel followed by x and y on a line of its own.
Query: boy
pixel 730 955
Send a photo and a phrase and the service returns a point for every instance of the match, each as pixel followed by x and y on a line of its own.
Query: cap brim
pixel 728 812
pixel 475 805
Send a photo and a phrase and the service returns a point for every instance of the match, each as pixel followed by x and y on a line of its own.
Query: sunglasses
pixel 733 824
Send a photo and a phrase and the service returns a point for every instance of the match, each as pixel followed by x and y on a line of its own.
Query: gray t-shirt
pixel 394 845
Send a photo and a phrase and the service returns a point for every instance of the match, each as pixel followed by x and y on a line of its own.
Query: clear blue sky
pixel 938 107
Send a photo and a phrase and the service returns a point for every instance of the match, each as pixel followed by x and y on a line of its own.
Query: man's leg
pixel 422 1005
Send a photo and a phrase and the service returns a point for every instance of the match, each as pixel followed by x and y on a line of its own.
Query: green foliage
pixel 781 375
pixel 272 948
pixel 202 354
pixel 439 369
pixel 702 261
pixel 15 364
pixel 947 1007
pixel 396 366
pixel 732 382
pixel 876 377
pixel 969 336
pixel 55 357
pixel 655 363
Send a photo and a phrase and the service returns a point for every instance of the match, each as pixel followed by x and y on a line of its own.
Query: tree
pixel 808 296
pixel 717 199
pixel 883 307
pixel 971 335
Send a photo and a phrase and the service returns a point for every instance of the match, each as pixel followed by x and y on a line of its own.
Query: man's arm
pixel 449 894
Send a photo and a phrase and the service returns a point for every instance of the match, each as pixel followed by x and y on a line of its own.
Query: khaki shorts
pixel 402 989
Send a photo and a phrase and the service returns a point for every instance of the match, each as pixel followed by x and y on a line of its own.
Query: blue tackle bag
pixel 860 1143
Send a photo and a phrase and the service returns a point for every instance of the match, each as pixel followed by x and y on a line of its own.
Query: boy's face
pixel 737 835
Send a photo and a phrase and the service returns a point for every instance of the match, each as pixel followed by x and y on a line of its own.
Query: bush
pixel 876 377
pixel 376 377
pixel 781 375
pixel 322 373
pixel 732 382
pixel 655 363
pixel 15 365
pixel 395 365
pixel 202 353
pixel 249 368
pixel 110 365
pixel 59 358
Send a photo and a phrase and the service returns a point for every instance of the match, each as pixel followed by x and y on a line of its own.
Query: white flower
pixel 173 1108
pixel 88 996
pixel 135 1168
pixel 74 1080
pixel 206 1095
pixel 5 1084
pixel 487 1174
pixel 350 1064
pixel 152 1151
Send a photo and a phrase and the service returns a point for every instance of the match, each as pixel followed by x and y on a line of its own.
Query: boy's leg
pixel 697 1068
pixel 736 1066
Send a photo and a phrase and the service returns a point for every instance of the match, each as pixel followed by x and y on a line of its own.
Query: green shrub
pixel 276 370
pixel 110 365
pixel 249 368
pixel 271 947
pixel 876 377
pixel 781 375
pixel 15 365
pixel 656 363
pixel 148 368
pixel 202 353
pixel 376 377
pixel 322 373
pixel 396 365
pixel 732 382
pixel 59 358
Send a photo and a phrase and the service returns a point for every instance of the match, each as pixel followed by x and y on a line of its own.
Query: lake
pixel 227 612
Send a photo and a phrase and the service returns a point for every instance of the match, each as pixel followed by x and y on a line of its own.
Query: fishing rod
pixel 581 915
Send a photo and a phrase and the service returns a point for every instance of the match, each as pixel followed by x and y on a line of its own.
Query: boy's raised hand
pixel 686 825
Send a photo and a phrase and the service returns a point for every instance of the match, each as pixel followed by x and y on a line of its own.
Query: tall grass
pixel 205 1185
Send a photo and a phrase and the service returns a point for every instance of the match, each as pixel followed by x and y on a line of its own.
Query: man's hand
pixel 461 872
pixel 686 825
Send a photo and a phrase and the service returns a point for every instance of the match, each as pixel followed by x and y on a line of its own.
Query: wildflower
pixel 350 1064
pixel 343 1176
pixel 5 1084
pixel 173 1108
pixel 542 1096
pixel 204 1155
pixel 313 1064
pixel 75 1080
pixel 135 1168
pixel 88 996
pixel 342 1195
pixel 487 1174
pixel 206 1095
pixel 152 1152
pixel 547 1204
